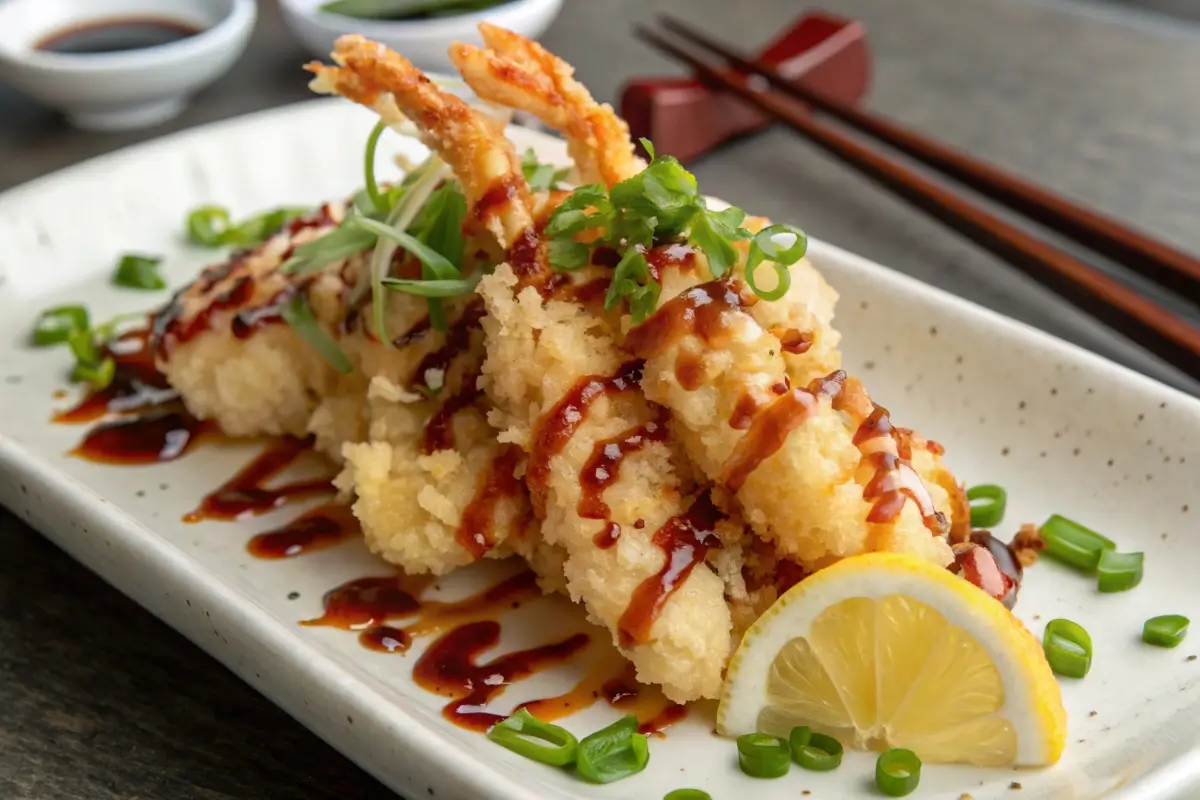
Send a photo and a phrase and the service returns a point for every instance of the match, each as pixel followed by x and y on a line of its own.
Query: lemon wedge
pixel 887 650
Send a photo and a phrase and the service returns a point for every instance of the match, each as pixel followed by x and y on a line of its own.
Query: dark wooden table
pixel 98 700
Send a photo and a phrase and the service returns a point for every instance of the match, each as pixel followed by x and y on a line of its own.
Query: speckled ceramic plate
pixel 1063 430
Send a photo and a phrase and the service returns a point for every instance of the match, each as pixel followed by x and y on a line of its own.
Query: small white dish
pixel 423 42
pixel 123 89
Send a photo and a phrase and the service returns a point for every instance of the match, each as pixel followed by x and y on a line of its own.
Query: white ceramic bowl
pixel 424 42
pixel 128 89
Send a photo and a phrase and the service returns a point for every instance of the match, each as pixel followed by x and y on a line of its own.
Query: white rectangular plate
pixel 1063 430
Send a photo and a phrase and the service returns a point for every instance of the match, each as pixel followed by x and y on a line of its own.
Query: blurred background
pixel 1096 99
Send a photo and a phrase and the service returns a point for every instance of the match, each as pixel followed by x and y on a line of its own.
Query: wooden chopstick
pixel 1151 326
pixel 1156 260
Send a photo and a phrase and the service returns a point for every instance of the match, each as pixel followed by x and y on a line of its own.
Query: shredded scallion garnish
pixel 662 204
pixel 297 314
pixel 139 272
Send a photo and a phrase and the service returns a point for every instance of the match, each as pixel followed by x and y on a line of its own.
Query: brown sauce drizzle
pixel 476 529
pixel 895 480
pixel 655 712
pixel 685 541
pixel 990 564
pixel 137 384
pixel 561 422
pixel 439 430
pixel 612 680
pixel 743 412
pixel 247 493
pixel 151 437
pixel 602 469
pixel 608 536
pixel 170 331
pixel 419 329
pixel 679 256
pixel 767 432
pixel 501 192
pixel 701 311
pixel 689 369
pixel 249 320
pixel 318 529
pixel 151 425
pixel 451 668
pixel 794 341
pixel 525 258
pixel 458 339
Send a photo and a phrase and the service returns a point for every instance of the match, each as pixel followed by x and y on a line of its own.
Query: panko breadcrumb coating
pixel 222 344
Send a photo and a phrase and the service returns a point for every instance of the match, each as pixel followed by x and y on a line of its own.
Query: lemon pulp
pixel 887 673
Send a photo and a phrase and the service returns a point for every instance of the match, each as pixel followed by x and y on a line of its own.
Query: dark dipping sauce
pixel 116 35
pixel 991 565
pixel 322 527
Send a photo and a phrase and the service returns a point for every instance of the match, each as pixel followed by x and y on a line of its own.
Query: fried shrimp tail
pixel 516 72
pixel 483 160
pixel 434 489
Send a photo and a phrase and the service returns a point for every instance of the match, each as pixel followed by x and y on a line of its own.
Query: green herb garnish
pixel 1165 631
pixel 897 772
pixel 57 325
pixel 662 204
pixel 1068 648
pixel 297 314
pixel 613 753
pixel 1074 544
pixel 211 226
pixel 525 734
pixel 139 272
pixel 1118 572
pixel 988 503
pixel 541 177
pixel 761 755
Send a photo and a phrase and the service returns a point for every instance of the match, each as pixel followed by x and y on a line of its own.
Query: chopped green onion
pixel 516 733
pixel 815 751
pixel 336 245
pixel 1119 572
pixel 372 186
pixel 648 146
pixel 57 325
pixel 541 177
pixel 139 272
pixel 207 225
pixel 99 375
pixel 1072 543
pixel 714 232
pixel 211 226
pixel 437 264
pixel 84 348
pixel 1165 631
pixel 1068 648
pixel 990 512
pixel 763 247
pixel 761 755
pixel 612 753
pixel 687 794
pixel 260 227
pixel 297 314
pixel 897 772
pixel 452 287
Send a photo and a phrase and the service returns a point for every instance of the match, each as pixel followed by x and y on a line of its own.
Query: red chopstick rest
pixel 686 119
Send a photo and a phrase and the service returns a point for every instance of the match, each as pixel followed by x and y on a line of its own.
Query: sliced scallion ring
pixel 1119 572
pixel 687 794
pixel 612 753
pixel 139 272
pixel 764 247
pixel 816 751
pixel 897 772
pixel 989 511
pixel 1165 631
pixel 207 225
pixel 1068 648
pixel 1074 544
pixel 761 755
pixel 99 375
pixel 57 325
pixel 518 732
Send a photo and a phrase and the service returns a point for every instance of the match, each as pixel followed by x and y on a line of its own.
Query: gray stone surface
pixel 98 700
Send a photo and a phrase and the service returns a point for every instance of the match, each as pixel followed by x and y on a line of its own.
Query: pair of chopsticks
pixel 1104 297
